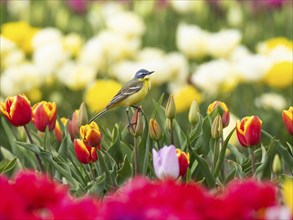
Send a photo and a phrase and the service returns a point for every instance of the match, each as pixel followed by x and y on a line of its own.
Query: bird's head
pixel 140 74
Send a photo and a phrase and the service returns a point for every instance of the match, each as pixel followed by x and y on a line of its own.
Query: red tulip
pixel 183 159
pixel 249 131
pixel 225 114
pixel 91 135
pixel 73 125
pixel 85 154
pixel 17 110
pixel 287 116
pixel 44 115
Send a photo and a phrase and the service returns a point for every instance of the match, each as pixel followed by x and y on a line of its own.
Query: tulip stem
pixel 91 171
pixel 136 157
pixel 251 151
pixel 32 142
pixel 171 131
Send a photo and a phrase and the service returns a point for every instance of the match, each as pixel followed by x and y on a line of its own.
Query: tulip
pixel 73 125
pixel 17 110
pixel 224 111
pixel 249 131
pixel 57 129
pixel 184 160
pixel 170 108
pixel 217 127
pixel 193 114
pixel 155 130
pixel 287 116
pixel 166 162
pixel 82 116
pixel 85 154
pixel 44 115
pixel 91 135
pixel 136 123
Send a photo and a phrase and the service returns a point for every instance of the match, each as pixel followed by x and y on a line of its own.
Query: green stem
pixel 136 157
pixel 252 158
pixel 171 131
pixel 158 145
pixel 32 142
pixel 215 152
pixel 91 172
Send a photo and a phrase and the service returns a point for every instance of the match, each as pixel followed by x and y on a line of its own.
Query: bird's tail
pixel 98 115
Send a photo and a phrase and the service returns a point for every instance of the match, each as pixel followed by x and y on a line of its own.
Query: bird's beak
pixel 151 72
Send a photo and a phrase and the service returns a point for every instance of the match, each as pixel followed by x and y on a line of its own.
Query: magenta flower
pixel 166 163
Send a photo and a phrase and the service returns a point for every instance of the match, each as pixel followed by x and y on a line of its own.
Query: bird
pixel 131 93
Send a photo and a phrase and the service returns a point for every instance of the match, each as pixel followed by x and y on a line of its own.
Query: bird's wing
pixel 128 89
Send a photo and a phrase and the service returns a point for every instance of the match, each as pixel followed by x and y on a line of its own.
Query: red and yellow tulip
pixel 287 116
pixel 91 135
pixel 57 129
pixel 248 131
pixel 184 160
pixel 84 153
pixel 17 110
pixel 44 115
pixel 225 115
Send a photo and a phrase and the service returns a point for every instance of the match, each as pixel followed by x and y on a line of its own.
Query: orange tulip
pixel 85 154
pixel 44 115
pixel 91 135
pixel 287 116
pixel 225 114
pixel 17 110
pixel 184 160
pixel 249 131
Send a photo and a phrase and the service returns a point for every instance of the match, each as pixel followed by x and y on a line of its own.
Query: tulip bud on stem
pixel 31 141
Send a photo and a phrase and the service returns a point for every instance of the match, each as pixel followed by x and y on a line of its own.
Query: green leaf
pixel 97 187
pixel 234 150
pixel 7 165
pixel 125 172
pixel 204 169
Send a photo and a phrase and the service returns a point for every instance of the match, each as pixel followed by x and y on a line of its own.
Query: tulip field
pixel 197 103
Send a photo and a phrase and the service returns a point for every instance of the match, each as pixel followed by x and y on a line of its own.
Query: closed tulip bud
pixel 287 116
pixel 91 135
pixel 155 130
pixel 193 115
pixel 168 124
pixel 184 160
pixel 170 108
pixel 222 109
pixel 85 154
pixel 17 110
pixel 44 115
pixel 73 127
pixel 165 162
pixel 217 127
pixel 82 116
pixel 136 123
pixel 57 130
pixel 277 165
pixel 248 131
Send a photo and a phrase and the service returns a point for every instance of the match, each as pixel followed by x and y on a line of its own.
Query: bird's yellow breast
pixel 138 96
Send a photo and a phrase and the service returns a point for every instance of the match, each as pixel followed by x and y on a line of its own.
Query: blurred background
pixel 75 51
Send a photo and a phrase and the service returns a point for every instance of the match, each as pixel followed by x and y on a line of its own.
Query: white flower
pixel 278 213
pixel 6 46
pixel 210 76
pixel 222 44
pixel 239 53
pixel 186 6
pixel 280 54
pixel 14 57
pixel 252 68
pixel 192 41
pixel 49 57
pixel 165 162
pixel 46 37
pixel 271 101
pixel 128 24
pixel 75 75
pixel 19 79
pixel 72 43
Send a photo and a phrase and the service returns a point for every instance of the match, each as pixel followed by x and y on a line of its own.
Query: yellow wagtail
pixel 131 93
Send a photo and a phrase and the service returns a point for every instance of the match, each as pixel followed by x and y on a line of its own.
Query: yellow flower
pixel 268 46
pixel 184 96
pixel 288 193
pixel 100 93
pixel 280 75
pixel 20 33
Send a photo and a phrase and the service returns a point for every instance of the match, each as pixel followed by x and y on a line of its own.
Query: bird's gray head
pixel 140 74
